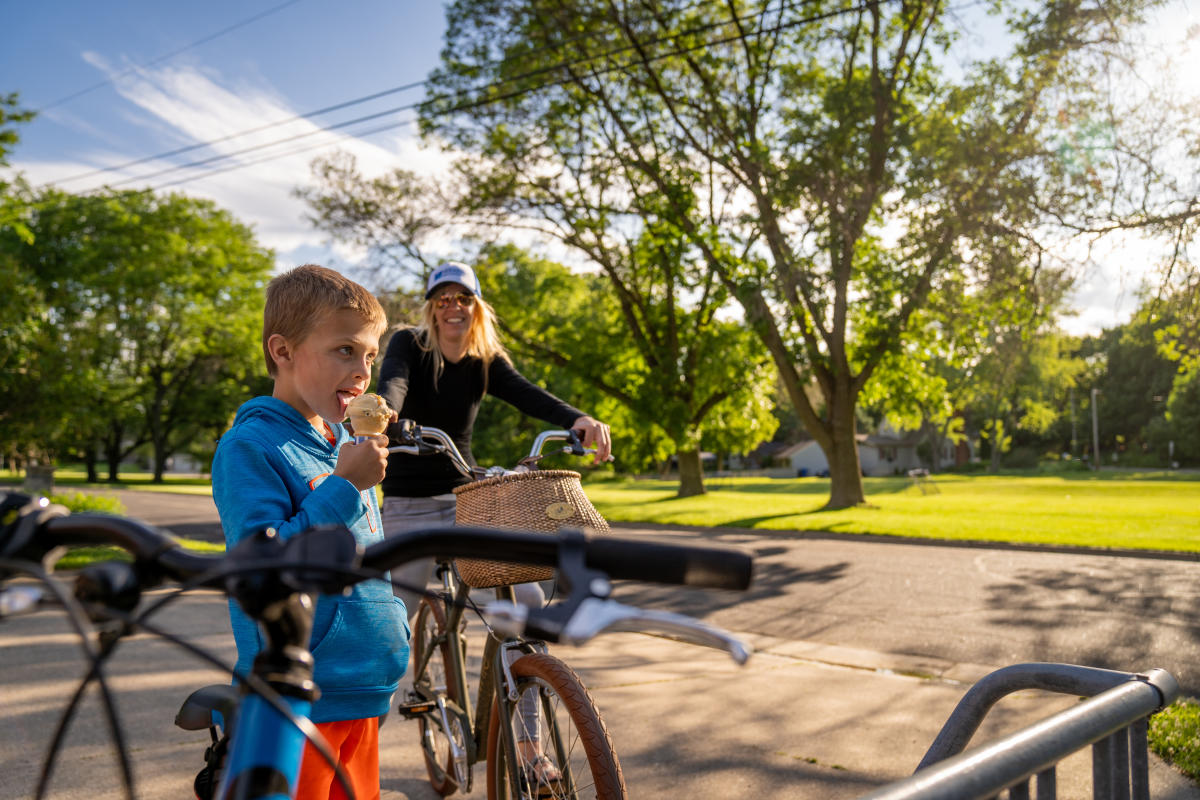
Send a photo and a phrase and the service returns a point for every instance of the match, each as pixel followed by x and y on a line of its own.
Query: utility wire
pixel 170 55
pixel 477 103
pixel 259 129
pixel 264 145
pixel 276 156
pixel 485 101
pixel 322 111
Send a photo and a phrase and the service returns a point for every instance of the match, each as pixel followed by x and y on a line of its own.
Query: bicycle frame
pixel 475 720
pixel 275 581
pixel 270 765
pixel 267 744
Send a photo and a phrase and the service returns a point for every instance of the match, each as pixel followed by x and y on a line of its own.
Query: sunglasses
pixel 462 298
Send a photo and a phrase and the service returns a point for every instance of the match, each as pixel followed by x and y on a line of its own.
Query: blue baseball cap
pixel 452 272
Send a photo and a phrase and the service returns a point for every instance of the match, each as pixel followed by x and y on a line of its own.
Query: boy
pixel 287 463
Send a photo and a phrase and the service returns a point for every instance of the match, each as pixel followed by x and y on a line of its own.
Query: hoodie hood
pixel 279 416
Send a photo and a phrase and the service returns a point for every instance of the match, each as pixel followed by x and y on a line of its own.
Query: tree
pixel 11 213
pixel 22 310
pixel 665 356
pixel 1135 382
pixel 1183 415
pixel 151 323
pixel 1173 319
pixel 819 158
pixel 672 371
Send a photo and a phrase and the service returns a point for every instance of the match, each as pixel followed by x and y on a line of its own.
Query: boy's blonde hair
pixel 483 342
pixel 299 299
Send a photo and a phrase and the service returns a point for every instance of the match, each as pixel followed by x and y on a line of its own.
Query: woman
pixel 437 375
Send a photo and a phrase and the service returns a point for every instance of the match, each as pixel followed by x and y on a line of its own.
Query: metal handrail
pixel 983 772
pixel 979 699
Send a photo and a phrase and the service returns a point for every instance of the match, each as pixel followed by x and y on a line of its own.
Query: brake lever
pixel 595 616
pixel 574 445
pixel 419 448
pixel 577 580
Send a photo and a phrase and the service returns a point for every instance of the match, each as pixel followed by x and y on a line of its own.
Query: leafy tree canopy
pixel 819 159
pixel 143 327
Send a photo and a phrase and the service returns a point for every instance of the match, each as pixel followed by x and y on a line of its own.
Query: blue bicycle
pixel 275 581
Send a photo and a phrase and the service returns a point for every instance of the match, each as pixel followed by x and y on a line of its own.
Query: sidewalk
pixel 801 720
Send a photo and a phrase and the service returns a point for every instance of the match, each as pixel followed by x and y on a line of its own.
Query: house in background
pixel 804 459
pixel 886 452
pixel 763 456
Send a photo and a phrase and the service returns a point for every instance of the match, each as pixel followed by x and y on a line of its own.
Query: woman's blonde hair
pixel 483 342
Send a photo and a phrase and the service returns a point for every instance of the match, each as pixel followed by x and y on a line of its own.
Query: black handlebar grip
pixel 657 561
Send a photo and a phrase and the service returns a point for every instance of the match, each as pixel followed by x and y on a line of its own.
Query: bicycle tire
pixel 583 750
pixel 433 677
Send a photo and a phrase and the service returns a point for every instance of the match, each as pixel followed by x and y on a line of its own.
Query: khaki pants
pixel 411 580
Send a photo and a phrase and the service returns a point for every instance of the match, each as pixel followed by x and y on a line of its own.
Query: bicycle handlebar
pixel 619 558
pixel 417 442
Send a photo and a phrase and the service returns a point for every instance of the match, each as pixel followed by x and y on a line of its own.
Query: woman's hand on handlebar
pixel 594 434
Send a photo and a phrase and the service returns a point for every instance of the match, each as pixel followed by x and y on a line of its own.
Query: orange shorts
pixel 355 742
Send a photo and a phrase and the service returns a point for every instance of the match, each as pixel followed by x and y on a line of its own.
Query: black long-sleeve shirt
pixel 406 380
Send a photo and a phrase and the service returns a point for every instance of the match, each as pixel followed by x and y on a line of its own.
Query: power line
pixel 264 145
pixel 292 152
pixel 485 101
pixel 239 134
pixel 321 111
pixel 170 55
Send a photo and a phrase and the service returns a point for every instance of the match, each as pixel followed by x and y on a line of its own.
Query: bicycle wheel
pixel 571 733
pixel 445 750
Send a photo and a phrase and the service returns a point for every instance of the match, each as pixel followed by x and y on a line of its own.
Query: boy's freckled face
pixel 332 366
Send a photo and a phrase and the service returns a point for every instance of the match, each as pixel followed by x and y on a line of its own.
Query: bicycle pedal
pixel 414 710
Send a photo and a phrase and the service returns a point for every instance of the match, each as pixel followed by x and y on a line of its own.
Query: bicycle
pixel 275 581
pixel 515 669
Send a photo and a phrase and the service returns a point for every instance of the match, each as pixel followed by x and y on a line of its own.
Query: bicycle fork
pixel 508 699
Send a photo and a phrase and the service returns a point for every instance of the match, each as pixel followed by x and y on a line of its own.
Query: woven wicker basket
pixel 539 500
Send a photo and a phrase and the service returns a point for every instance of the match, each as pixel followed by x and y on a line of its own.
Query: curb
pixel 883 538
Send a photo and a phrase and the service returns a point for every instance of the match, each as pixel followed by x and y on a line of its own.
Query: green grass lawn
pixel 1128 509
pixel 1175 736
pixel 1157 511
pixel 141 481
pixel 78 557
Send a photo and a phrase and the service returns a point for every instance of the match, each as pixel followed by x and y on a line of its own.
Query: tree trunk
pixel 845 470
pixel 995 440
pixel 691 473
pixel 89 461
pixel 936 439
pixel 160 462
pixel 112 451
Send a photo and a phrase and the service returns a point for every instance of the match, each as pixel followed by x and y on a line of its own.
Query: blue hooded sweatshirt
pixel 272 469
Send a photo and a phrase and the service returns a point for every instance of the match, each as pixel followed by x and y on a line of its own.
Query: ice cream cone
pixel 369 415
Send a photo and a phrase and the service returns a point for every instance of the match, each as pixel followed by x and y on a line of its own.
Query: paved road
pixel 687 722
pixel 189 516
pixel 959 604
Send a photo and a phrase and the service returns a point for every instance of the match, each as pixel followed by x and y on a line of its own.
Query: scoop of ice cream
pixel 369 414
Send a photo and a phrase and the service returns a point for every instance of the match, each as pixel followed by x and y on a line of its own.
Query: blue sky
pixel 132 79
pixel 174 73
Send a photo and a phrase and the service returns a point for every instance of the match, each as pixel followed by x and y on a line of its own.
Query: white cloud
pixel 185 105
